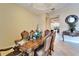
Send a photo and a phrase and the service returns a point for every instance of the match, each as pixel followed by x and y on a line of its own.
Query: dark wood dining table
pixel 32 44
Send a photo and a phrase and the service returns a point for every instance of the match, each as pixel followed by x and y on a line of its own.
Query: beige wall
pixel 13 20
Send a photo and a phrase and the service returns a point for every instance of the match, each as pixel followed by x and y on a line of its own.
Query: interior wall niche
pixel 50 20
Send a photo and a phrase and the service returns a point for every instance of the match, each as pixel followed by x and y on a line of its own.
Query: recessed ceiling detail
pixel 48 7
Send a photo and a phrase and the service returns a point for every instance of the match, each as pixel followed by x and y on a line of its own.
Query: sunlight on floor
pixel 68 38
pixel 71 39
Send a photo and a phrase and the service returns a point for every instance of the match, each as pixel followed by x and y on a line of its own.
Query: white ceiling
pixel 46 7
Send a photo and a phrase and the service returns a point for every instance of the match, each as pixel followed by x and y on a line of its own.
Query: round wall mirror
pixel 71 21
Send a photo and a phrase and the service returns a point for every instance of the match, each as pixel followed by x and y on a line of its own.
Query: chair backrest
pixel 46 32
pixel 53 36
pixel 50 39
pixel 24 34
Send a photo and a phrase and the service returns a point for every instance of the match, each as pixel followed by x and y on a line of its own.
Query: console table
pixel 74 34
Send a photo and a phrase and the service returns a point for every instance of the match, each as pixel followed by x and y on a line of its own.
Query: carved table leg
pixel 63 36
